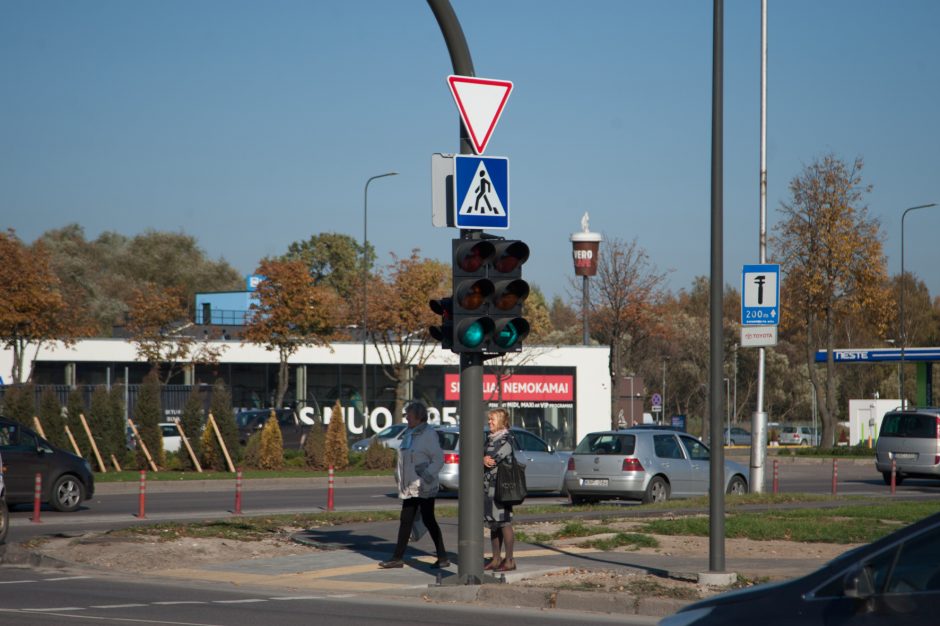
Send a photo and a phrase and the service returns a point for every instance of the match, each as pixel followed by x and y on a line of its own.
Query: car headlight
pixel 686 618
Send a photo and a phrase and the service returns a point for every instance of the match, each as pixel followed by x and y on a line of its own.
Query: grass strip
pixel 619 540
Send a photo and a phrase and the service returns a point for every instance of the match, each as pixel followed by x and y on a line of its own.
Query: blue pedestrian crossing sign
pixel 481 192
pixel 760 295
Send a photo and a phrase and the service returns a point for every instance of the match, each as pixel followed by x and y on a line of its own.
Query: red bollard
pixel 238 493
pixel 329 491
pixel 835 476
pixel 143 494
pixel 776 478
pixel 894 476
pixel 37 499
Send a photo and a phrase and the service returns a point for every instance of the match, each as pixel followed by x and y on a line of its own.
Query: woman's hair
pixel 418 410
pixel 502 418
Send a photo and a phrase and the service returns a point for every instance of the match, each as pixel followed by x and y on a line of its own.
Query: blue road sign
pixel 760 295
pixel 481 192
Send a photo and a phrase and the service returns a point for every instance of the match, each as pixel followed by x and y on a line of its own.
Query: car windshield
pixel 607 443
pixel 789 429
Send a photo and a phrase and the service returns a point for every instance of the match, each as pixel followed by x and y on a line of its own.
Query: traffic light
pixel 445 332
pixel 488 295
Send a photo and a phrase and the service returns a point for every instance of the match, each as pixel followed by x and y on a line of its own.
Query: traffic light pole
pixel 470 503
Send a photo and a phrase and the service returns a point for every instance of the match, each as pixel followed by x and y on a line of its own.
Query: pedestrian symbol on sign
pixel 481 199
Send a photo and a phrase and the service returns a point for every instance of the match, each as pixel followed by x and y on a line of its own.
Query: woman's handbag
pixel 510 482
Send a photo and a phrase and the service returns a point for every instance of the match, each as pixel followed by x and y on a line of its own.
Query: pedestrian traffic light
pixel 445 332
pixel 488 295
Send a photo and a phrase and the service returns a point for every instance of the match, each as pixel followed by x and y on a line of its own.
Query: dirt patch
pixel 141 554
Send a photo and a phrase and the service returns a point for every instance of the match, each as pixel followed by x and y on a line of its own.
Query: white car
pixel 171 437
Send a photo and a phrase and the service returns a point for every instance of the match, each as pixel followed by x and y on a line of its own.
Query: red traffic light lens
pixel 472 258
pixel 511 257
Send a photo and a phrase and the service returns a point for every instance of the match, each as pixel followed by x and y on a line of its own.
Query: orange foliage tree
pixel 33 310
pixel 291 312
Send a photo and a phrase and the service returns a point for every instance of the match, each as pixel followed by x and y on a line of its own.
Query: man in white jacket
pixel 420 459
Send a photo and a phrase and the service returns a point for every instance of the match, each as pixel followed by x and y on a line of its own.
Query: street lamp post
pixel 663 414
pixel 902 330
pixel 365 281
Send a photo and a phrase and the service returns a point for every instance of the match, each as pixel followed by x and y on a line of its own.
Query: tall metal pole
pixel 901 286
pixel 663 414
pixel 585 307
pixel 759 419
pixel 470 505
pixel 716 540
pixel 365 284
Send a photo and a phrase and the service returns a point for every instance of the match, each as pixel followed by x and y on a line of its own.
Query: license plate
pixel 594 482
pixel 905 456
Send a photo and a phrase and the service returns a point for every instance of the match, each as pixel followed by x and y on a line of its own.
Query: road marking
pixel 174 602
pixel 115 606
pixel 16 582
pixel 58 608
pixel 46 580
pixel 246 601
pixel 297 598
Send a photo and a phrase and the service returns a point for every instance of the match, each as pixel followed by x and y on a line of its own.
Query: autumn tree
pixel 399 327
pixel 336 447
pixel 99 274
pixel 291 312
pixel 831 255
pixel 334 260
pixel 623 296
pixel 156 320
pixel 33 310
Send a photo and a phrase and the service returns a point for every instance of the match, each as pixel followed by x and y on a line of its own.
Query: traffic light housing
pixel 488 295
pixel 445 332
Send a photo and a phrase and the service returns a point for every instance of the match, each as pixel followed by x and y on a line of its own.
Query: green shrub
pixel 19 403
pixel 315 448
pixel 337 445
pixel 148 414
pixel 378 457
pixel 271 451
pixel 251 455
pixel 53 424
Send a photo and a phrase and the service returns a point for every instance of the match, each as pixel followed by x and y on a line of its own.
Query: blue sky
pixel 254 124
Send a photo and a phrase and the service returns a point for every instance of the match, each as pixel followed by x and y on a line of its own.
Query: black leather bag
pixel 510 482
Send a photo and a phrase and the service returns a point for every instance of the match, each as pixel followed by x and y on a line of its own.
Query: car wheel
pixel 898 478
pixel 67 493
pixel 656 491
pixel 737 486
pixel 578 500
pixel 4 521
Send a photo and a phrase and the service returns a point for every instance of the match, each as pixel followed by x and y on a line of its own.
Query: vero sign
pixel 480 102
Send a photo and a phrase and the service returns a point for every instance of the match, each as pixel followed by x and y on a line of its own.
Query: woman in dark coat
pixel 497 517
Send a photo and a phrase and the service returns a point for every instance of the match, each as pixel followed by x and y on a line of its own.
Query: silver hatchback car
pixel 644 464
pixel 544 466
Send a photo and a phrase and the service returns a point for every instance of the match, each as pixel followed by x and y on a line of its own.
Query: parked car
pixel 798 436
pixel 644 464
pixel 293 430
pixel 67 479
pixel 737 437
pixel 4 514
pixel 894 580
pixel 912 439
pixel 545 466
pixel 389 437
pixel 171 437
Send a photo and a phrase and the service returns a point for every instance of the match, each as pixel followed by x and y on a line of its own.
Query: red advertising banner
pixel 518 388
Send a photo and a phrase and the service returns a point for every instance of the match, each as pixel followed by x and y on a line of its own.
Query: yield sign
pixel 480 102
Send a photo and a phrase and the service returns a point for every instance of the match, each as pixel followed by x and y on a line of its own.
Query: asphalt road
pixel 40 597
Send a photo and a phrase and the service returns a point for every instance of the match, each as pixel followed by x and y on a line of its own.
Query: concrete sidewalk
pixel 346 557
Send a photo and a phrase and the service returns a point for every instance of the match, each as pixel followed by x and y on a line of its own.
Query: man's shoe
pixel 392 564
pixel 441 563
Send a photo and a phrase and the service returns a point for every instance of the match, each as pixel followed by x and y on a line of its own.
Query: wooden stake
pixel 189 448
pixel 72 439
pixel 143 446
pixel 218 435
pixel 38 426
pixel 94 446
pixel 114 461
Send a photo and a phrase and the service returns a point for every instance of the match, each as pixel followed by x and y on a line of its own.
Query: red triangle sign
pixel 480 102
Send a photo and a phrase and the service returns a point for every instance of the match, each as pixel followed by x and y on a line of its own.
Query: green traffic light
pixel 472 336
pixel 507 336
